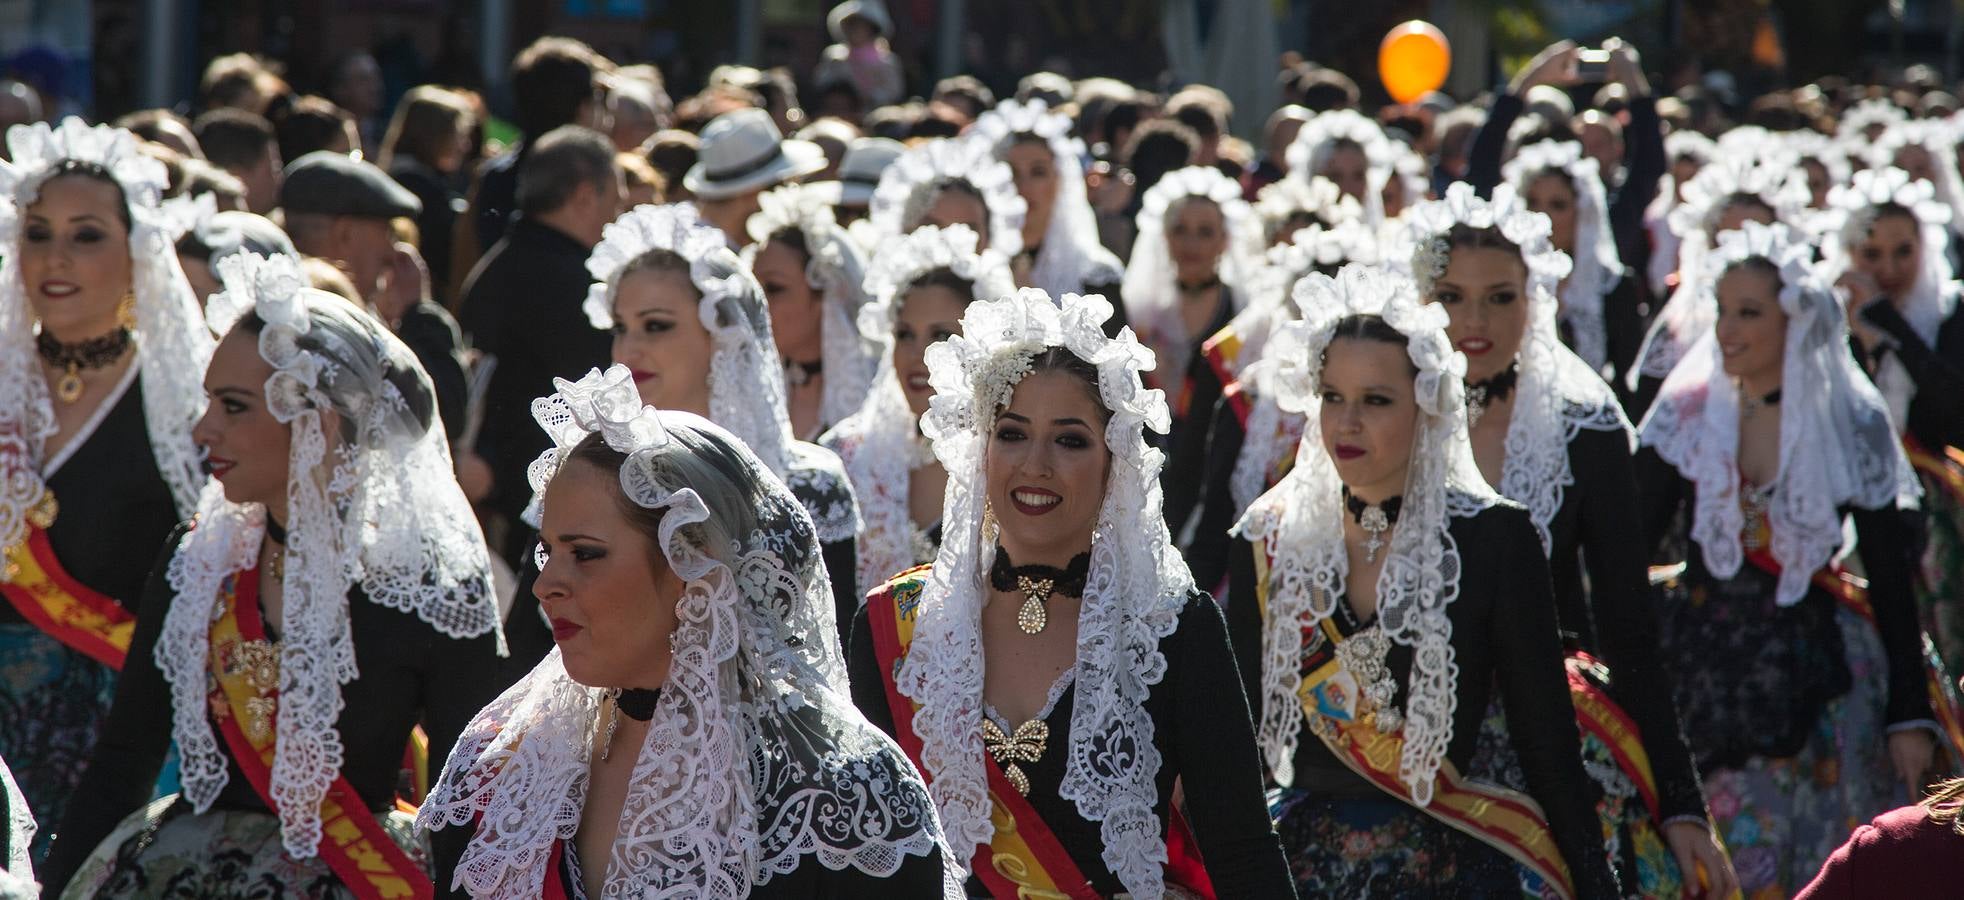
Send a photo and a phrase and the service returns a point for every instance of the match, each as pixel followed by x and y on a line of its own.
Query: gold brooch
pixel 1025 746
pixel 1031 617
pixel 42 513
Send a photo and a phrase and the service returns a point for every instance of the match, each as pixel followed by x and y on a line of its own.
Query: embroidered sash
pixel 1943 469
pixel 245 703
pixel 87 622
pixel 1024 860
pixel 1334 706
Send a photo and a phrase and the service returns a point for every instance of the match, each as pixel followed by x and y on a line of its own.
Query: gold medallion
pixel 68 388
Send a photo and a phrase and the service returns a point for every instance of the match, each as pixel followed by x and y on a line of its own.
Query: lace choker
pixel 1490 390
pixel 93 353
pixel 1752 406
pixel 1185 288
pixel 637 703
pixel 1375 520
pixel 1037 584
pixel 799 374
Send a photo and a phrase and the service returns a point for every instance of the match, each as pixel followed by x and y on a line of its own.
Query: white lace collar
pixel 172 344
pixel 1137 587
pixel 1299 523
pixel 1597 268
pixel 377 507
pixel 1837 446
pixel 756 757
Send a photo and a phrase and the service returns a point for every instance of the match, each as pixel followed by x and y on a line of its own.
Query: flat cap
pixel 335 184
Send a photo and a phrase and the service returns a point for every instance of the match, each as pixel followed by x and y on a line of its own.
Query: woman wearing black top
pixel 1805 693
pixel 692 733
pixel 1383 595
pixel 332 592
pixel 102 344
pixel 1055 666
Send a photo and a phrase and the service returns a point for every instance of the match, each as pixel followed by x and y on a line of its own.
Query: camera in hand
pixel 1592 65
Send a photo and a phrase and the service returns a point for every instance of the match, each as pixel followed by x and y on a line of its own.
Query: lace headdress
pixel 882 443
pixel 372 504
pixel 1132 598
pixel 1322 135
pixel 1286 198
pixel 756 757
pixel 1597 268
pixel 1938 138
pixel 1557 394
pixel 1299 523
pixel 1932 298
pixel 1865 114
pixel 1837 446
pixel 746 384
pixel 1151 289
pixel 172 344
pixel 1771 178
pixel 836 268
pixel 1071 257
pixel 911 182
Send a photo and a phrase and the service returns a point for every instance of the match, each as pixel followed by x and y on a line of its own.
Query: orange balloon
pixel 1413 60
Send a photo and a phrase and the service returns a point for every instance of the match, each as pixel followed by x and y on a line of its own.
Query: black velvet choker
pixel 1185 288
pixel 1490 390
pixel 637 703
pixel 1750 406
pixel 798 373
pixel 1037 584
pixel 275 532
pixel 71 359
pixel 1375 520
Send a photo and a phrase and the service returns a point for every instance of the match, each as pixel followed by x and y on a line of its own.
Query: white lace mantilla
pixel 1070 259
pixel 1299 523
pixel 172 344
pixel 1323 135
pixel 837 269
pixel 1596 267
pixel 911 182
pixel 1151 287
pixel 1132 600
pixel 755 758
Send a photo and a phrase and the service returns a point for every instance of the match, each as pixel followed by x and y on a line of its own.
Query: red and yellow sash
pixel 1944 469
pixel 1024 860
pixel 1598 714
pixel 245 703
pixel 1333 703
pixel 87 622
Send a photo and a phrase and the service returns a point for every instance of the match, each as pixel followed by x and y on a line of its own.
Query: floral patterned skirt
pixel 1940 590
pixel 1782 817
pixel 165 851
pixel 52 700
pixel 1384 847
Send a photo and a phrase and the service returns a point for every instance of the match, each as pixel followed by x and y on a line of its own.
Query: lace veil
pixel 1837 446
pixel 911 182
pixel 1299 522
pixel 1932 299
pixel 837 268
pixel 1151 291
pixel 1320 137
pixel 373 504
pixel 1285 198
pixel 882 442
pixel 756 756
pixel 172 343
pixel 1071 257
pixel 1596 266
pixel 1133 596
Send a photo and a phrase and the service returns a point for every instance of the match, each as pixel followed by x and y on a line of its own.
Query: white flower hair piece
pixel 1597 267
pixel 1775 179
pixel 1789 252
pixel 603 403
pixel 1321 136
pixel 1874 111
pixel 182 214
pixel 36 149
pixel 1870 188
pixel 1361 290
pixel 1348 241
pixel 998 127
pixel 911 182
pixel 1688 144
pixel 1285 198
pixel 674 227
pixel 1428 224
pixel 900 260
pixel 835 264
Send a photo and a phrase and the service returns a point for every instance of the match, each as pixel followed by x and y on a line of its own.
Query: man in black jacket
pixel 522 307
pixel 556 81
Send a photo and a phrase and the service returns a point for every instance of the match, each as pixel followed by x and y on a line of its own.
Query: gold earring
pixel 126 311
pixel 989 527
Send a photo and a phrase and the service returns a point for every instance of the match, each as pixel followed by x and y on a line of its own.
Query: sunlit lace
pixel 910 182
pixel 1071 258
pixel 1151 288
pixel 1321 136
pixel 1596 266
pixel 837 269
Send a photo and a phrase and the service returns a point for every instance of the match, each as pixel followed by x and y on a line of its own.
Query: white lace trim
pixel 910 182
pixel 1151 290
pixel 1837 445
pixel 1070 260
pixel 1299 523
pixel 1322 135
pixel 1597 268
pixel 1133 596
pixel 172 344
pixel 837 269
pixel 20 829
pixel 755 757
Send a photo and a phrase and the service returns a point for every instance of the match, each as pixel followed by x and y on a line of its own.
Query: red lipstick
pixel 563 630
pixel 1346 451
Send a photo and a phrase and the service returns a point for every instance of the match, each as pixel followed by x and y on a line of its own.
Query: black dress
pixel 1206 739
pixel 1186 441
pixel 1504 639
pixel 115 509
pixel 410 675
pixel 918 877
pixel 1936 413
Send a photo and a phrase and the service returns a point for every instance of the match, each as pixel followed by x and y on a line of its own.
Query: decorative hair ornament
pixel 1150 287
pixel 904 259
pixel 1866 114
pixel 1136 588
pixel 911 182
pixel 1299 522
pixel 1286 198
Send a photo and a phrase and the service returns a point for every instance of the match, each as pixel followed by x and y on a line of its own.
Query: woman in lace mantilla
pixel 1383 593
pixel 1550 434
pixel 921 286
pixel 692 733
pixel 332 593
pixel 1058 632
pixel 692 325
pixel 812 275
pixel 101 347
pixel 1804 689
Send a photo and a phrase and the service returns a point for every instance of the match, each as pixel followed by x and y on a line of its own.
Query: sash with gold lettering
pixel 1334 705
pixel 1024 861
pixel 245 704
pixel 87 622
